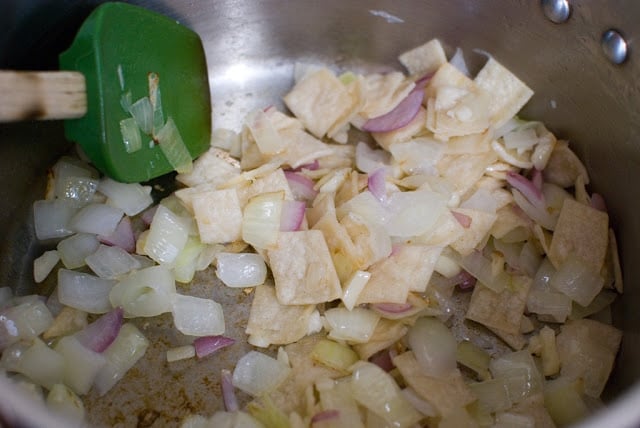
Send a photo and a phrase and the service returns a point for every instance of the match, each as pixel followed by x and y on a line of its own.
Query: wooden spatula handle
pixel 38 95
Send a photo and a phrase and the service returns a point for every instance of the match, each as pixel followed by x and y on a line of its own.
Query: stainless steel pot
pixel 251 46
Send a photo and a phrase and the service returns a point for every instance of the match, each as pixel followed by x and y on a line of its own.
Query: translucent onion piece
pixel 81 364
pixel 520 373
pixel 99 219
pixel 78 190
pixel 369 160
pixel 23 322
pixel 51 218
pixel 241 269
pixel 355 326
pixel 229 397
pixel 257 373
pixel 132 198
pixel 376 183
pixel 173 147
pixel 83 291
pixel 301 186
pixel 578 280
pixel 101 333
pixel 353 288
pixel 180 353
pixel 413 213
pixel 492 394
pixel 480 268
pixel 75 249
pixel 68 167
pixel 434 346
pixel 527 188
pixel 130 135
pixel 261 219
pixel 475 358
pixel 334 355
pixel 122 237
pixel 111 262
pixel 209 344
pixel 43 265
pixel 142 112
pixel 41 364
pixel 194 316
pixel 144 293
pixel 400 116
pixel 168 235
pixel 292 216
pixel 419 403
pixel 129 346
pixel 377 391
pixel 65 402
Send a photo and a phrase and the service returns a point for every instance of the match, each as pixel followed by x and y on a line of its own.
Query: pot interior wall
pixel 251 47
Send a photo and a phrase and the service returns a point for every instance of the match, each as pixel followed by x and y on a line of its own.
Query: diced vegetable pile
pixel 360 223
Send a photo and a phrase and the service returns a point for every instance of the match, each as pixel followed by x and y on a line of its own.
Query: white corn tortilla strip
pixel 275 181
pixel 582 231
pixel 345 255
pixel 386 333
pixel 218 216
pixel 508 93
pixel 319 100
pixel 383 92
pixel 215 166
pixel 303 270
pixel 463 171
pixel 417 124
pixel 276 323
pixel 424 59
pixel 502 310
pixel 477 232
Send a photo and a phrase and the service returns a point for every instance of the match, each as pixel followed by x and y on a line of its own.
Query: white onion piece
pixel 52 218
pixel 257 373
pixel 482 200
pixel 194 316
pixel 434 346
pixel 377 391
pixel 180 353
pixel 301 186
pixel 122 237
pixel 75 249
pixel 377 184
pixel 77 190
pixel 99 219
pixel 132 198
pixel 144 293
pixel 292 215
pixel 457 60
pixel 578 280
pixel 130 132
pixel 354 287
pixel 480 268
pixel 537 213
pixel 241 269
pixel 142 112
pixel 419 403
pixel 41 364
pixel 128 347
pixel 173 147
pixel 111 262
pixel 413 213
pixel 24 321
pixel 168 235
pixel 369 160
pixel 356 325
pixel 65 402
pixel 184 267
pixel 229 397
pixel 81 364
pixel 261 219
pixel 43 265
pixel 83 291
pixel 521 140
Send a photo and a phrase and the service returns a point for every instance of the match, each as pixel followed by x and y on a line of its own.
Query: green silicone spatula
pixel 137 85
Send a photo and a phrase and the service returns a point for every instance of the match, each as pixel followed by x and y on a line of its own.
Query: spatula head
pixel 116 48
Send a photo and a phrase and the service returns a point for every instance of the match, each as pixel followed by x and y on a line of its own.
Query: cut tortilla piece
pixel 417 124
pixel 302 268
pixel 508 94
pixel 502 311
pixel 424 59
pixel 214 167
pixel 581 231
pixel 477 232
pixel 383 92
pixel 218 216
pixel 319 100
pixel 271 323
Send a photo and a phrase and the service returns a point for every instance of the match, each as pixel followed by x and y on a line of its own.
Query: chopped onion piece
pixel 209 344
pixel 180 353
pixel 457 60
pixel 65 402
pixel 369 160
pixel 261 219
pixel 168 235
pixel 377 183
pixel 241 269
pixel 292 216
pixel 144 293
pixel 301 186
pixel 418 403
pixel 111 262
pixel 123 237
pixel 377 391
pixel 356 325
pixel 101 333
pixel 78 190
pixel 334 355
pixel 480 268
pixel 400 116
pixel 257 373
pixel 99 219
pixel 41 364
pixel 526 187
pixel 413 213
pixel 24 321
pixel 52 218
pixel 83 291
pixel 229 397
pixel 132 198
pixel 43 265
pixel 578 280
pixel 75 249
pixel 434 346
pixel 354 287
pixel 475 358
pixel 194 316
pixel 130 132
pixel 142 112
pixel 325 415
pixel 129 346
pixel 173 147
pixel 81 364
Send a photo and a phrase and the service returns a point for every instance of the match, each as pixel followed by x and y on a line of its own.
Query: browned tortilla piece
pixel 502 311
pixel 581 230
pixel 446 394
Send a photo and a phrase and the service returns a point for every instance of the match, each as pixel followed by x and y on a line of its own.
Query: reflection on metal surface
pixel 557 11
pixel 614 46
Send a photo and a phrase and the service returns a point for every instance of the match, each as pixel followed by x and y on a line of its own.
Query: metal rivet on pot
pixel 557 11
pixel 614 46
